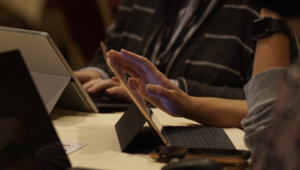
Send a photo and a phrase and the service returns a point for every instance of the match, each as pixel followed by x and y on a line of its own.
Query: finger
pixel 140 61
pixel 133 84
pixel 115 79
pixel 101 86
pixel 135 66
pixel 158 91
pixel 136 86
pixel 137 72
pixel 118 92
pixel 90 83
pixel 129 70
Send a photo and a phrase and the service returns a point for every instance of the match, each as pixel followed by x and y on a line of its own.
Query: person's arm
pixel 273 51
pixel 271 59
pixel 196 88
pixel 156 88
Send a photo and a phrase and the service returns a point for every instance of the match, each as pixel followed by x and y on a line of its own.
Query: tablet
pixel 52 75
pixel 135 96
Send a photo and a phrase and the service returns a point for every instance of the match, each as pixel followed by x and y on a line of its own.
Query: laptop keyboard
pixel 194 136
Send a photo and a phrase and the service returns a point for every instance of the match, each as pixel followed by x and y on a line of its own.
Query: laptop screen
pixel 27 136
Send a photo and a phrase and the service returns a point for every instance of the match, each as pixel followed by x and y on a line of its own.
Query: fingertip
pixel 149 88
pixel 108 91
pixel 133 84
pixel 126 53
pixel 90 90
pixel 123 50
pixel 115 79
pixel 111 53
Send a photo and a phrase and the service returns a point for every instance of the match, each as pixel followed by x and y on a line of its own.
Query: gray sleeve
pixel 261 94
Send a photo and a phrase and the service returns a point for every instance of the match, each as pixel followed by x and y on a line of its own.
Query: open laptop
pixel 23 115
pixel 51 74
pixel 190 136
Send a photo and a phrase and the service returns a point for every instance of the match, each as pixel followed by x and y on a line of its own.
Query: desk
pixel 103 150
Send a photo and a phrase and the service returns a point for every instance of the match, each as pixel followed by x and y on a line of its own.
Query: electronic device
pixel 190 136
pixel 52 75
pixel 226 157
pixel 22 108
pixel 194 164
pixel 264 27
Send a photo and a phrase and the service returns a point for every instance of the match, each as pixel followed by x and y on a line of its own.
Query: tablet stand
pixel 133 136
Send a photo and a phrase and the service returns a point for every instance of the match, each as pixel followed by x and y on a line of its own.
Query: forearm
pixel 272 56
pixel 271 52
pixel 217 111
pixel 198 89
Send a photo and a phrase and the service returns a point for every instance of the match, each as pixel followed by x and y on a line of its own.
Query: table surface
pixel 103 149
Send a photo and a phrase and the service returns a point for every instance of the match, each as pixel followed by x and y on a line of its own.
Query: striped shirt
pixel 215 59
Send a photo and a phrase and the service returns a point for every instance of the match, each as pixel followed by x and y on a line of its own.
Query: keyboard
pixel 198 136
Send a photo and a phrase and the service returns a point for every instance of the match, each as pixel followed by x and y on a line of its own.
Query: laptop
pixel 190 136
pixel 23 115
pixel 53 77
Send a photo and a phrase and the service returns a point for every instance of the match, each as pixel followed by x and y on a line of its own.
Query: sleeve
pixel 195 88
pixel 261 95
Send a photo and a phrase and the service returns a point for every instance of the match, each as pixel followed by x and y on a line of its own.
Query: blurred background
pixel 76 26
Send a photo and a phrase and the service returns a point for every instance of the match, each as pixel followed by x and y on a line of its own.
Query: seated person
pixel 272 125
pixel 272 129
pixel 214 58
pixel 157 89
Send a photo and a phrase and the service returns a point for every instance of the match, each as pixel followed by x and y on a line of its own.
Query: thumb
pixel 158 91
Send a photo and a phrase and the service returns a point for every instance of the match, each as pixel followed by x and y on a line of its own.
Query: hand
pixel 85 76
pixel 154 86
pixel 11 130
pixel 100 87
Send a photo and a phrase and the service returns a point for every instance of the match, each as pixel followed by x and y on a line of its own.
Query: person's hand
pixel 100 87
pixel 11 130
pixel 154 86
pixel 85 76
pixel 97 87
